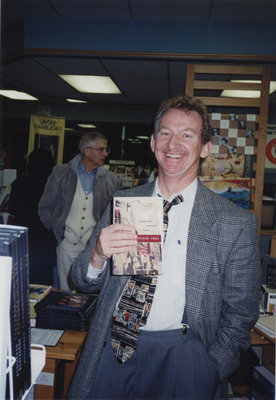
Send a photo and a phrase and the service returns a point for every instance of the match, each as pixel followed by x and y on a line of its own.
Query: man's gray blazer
pixel 222 284
pixel 56 201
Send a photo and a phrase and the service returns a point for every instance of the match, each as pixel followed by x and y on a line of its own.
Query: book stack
pixel 62 310
pixel 14 243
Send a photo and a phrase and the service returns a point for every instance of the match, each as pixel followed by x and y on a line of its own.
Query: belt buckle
pixel 185 328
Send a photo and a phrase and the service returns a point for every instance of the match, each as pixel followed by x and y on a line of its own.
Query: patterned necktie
pixel 166 208
pixel 135 304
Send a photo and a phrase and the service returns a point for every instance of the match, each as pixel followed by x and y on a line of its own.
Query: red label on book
pixel 149 238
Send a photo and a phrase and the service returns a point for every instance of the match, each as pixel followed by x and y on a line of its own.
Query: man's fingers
pixel 115 239
pixel 116 228
pixel 122 249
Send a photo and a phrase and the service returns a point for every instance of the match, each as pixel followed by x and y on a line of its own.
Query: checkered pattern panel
pixel 233 133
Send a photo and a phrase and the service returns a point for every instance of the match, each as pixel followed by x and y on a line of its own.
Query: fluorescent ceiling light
pixel 254 94
pixel 142 137
pixel 14 94
pixel 91 84
pixel 134 141
pixel 87 125
pixel 76 101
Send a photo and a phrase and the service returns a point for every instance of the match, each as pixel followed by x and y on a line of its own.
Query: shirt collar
pixel 82 169
pixel 188 192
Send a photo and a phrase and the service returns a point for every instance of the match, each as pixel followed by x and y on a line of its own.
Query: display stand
pixel 203 79
pixel 38 353
pixel 5 294
pixel 38 359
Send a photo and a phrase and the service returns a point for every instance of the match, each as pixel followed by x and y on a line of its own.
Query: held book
pixel 145 214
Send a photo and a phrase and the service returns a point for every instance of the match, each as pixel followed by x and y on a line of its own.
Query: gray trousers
pixel 67 252
pixel 166 365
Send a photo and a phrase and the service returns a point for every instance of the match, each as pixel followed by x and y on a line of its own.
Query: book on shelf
pixel 268 298
pixel 145 214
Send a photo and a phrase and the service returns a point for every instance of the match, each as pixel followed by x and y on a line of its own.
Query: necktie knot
pixel 168 204
pixel 166 207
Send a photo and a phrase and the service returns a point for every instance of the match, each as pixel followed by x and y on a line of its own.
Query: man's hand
pixel 113 239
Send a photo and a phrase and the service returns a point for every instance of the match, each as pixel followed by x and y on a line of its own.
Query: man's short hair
pixel 185 103
pixel 90 139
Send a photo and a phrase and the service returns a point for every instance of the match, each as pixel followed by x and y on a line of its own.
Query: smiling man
pixel 178 147
pixel 74 199
pixel 206 300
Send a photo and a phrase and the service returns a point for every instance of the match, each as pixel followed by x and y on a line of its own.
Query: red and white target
pixel 270 150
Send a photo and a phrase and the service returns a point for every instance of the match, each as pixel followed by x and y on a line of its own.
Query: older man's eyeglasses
pixel 100 149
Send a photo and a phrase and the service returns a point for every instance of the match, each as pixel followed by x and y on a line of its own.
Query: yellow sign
pixel 47 132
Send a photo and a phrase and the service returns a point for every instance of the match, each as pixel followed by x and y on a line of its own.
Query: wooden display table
pixel 61 362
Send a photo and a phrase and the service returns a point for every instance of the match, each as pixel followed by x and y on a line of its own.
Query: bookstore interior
pixel 48 326
pixel 43 328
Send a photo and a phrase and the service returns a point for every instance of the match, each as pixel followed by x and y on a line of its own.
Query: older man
pixel 74 199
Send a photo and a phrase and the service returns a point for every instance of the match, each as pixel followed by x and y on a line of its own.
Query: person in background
pixel 25 194
pixel 74 199
pixel 206 300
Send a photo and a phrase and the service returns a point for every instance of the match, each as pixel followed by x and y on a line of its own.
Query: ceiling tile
pixel 72 65
pixel 136 68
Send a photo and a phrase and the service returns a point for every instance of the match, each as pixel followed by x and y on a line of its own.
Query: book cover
pixel 236 190
pixel 225 165
pixel 37 292
pixel 64 301
pixel 145 214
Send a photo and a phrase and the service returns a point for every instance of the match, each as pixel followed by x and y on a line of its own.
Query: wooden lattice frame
pixel 226 73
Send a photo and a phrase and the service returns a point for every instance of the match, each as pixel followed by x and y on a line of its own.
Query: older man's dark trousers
pixel 165 365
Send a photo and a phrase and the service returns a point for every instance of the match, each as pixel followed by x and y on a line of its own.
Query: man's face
pixel 95 155
pixel 178 146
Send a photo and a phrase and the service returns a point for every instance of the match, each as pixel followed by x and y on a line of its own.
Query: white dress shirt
pixel 169 298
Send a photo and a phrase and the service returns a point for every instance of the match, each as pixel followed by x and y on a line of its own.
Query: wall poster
pixel 47 132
